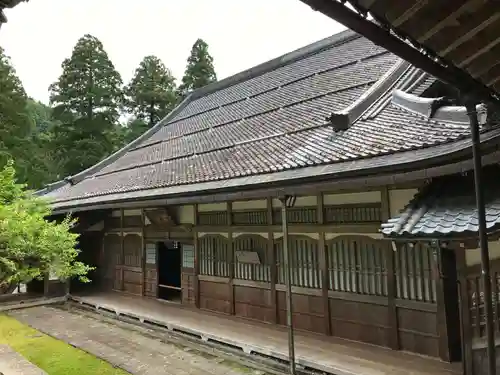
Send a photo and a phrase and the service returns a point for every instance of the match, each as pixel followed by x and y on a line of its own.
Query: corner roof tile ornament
pixel 423 107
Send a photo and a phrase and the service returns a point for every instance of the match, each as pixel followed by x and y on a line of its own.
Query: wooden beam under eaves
pixel 437 17
pixel 475 23
pixel 400 12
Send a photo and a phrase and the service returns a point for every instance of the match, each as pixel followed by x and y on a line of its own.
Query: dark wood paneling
pixel 359 321
pixel 253 303
pixel 151 281
pixel 188 286
pixel 418 331
pixel 215 296
pixel 307 312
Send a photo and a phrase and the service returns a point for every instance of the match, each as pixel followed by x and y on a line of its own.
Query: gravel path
pixel 128 350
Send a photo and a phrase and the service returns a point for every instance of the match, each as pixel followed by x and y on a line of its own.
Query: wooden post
pixel 46 284
pixel 465 322
pixel 289 296
pixel 143 256
pixel 231 257
pixel 392 312
pixel 196 258
pixel 323 264
pixel 272 257
pixel 122 248
pixel 483 236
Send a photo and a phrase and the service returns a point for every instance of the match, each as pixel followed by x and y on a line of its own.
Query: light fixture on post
pixel 288 201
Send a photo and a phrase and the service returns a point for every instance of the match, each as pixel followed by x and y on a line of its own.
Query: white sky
pixel 240 34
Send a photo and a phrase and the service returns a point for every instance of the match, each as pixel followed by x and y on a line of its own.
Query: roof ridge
pixel 300 53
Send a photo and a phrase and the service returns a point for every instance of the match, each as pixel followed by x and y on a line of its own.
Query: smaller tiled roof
pixel 447 207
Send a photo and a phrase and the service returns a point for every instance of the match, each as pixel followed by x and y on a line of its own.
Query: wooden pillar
pixel 46 284
pixel 465 322
pixel 447 289
pixel 272 257
pixel 122 248
pixel 392 311
pixel 143 253
pixel 231 256
pixel 196 258
pixel 323 265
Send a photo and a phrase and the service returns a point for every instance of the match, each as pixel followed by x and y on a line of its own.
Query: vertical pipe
pixel 483 237
pixel 286 254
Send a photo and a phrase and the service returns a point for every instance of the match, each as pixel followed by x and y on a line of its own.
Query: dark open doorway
pixel 169 271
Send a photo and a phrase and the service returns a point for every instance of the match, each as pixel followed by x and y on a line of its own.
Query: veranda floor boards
pixel 329 354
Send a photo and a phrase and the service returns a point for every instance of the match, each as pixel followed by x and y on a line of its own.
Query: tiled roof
pixel 271 119
pixel 447 206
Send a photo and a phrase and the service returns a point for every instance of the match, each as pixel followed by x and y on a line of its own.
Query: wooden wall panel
pixel 215 296
pixel 308 313
pixel 418 331
pixel 253 303
pixel 187 284
pixel 151 281
pixel 358 321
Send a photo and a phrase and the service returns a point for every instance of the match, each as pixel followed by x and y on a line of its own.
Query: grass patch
pixel 54 356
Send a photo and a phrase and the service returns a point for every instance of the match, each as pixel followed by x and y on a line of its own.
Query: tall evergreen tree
pixel 199 70
pixel 16 126
pixel 151 93
pixel 86 100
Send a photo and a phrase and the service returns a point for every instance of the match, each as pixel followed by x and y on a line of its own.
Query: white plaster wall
pixel 306 201
pixel 264 235
pixel 250 205
pixel 134 212
pixel 399 198
pixel 473 256
pixel 185 214
pixel 377 236
pixel 207 207
pixel 352 198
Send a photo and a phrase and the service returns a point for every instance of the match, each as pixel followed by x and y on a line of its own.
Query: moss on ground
pixel 53 356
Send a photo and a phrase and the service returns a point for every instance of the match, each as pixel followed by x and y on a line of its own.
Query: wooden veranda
pixel 335 356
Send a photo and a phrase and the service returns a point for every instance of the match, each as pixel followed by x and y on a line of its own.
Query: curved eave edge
pixel 433 157
pixel 409 236
pixel 422 107
pixel 71 180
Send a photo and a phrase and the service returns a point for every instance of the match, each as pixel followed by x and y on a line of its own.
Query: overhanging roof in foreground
pixel 458 41
pixel 447 207
pixel 7 4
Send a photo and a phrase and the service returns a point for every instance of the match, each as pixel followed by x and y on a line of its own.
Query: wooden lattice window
pixel 304 262
pixel 356 264
pixel 256 267
pixel 214 256
pixel 414 276
pixel 132 250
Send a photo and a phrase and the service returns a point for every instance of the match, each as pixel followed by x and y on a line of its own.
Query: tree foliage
pixel 31 246
pixel 15 124
pixel 86 100
pixel 151 94
pixel 199 70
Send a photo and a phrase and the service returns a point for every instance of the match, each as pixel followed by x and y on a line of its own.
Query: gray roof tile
pixel 447 206
pixel 273 122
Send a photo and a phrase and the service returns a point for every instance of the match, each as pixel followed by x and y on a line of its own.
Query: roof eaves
pixel 112 158
pixel 409 160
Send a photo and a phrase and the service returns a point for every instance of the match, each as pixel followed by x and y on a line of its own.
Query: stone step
pixel 13 363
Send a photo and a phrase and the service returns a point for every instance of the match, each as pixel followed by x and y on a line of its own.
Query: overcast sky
pixel 240 34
